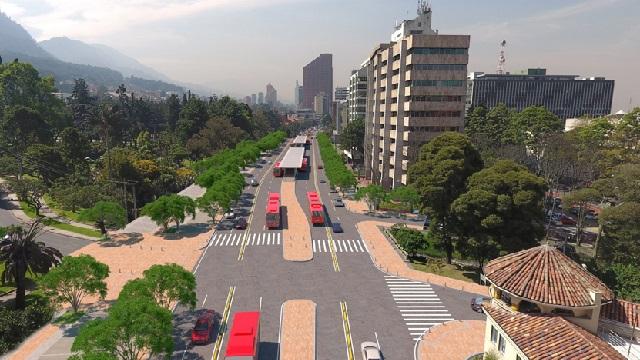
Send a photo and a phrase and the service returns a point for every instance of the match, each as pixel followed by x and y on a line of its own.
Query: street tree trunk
pixel 21 270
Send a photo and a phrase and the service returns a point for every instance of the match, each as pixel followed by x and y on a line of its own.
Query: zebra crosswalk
pixel 419 306
pixel 253 239
pixel 321 246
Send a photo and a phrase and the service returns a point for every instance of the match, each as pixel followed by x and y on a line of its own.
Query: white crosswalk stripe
pixel 418 304
pixel 341 246
pixel 236 238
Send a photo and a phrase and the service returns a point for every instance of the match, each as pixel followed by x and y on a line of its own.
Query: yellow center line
pixel 223 324
pixel 346 326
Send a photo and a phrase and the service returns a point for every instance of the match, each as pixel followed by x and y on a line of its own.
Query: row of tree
pixel 337 173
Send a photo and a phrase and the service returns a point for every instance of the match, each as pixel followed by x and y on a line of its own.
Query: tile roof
pixel 544 274
pixel 622 311
pixel 546 336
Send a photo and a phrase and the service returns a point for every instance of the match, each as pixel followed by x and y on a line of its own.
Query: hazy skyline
pixel 238 46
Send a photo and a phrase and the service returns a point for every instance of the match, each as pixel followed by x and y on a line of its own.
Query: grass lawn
pixel 59 225
pixel 10 286
pixel 447 270
pixel 53 206
pixel 69 317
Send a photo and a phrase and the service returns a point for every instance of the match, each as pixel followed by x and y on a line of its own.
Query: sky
pixel 238 46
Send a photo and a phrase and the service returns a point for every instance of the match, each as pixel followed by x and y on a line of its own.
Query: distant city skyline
pixel 238 46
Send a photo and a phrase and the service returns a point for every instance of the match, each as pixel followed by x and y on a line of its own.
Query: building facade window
pixel 437 51
pixel 501 344
pixel 435 98
pixel 443 83
pixel 436 67
pixel 494 334
pixel 435 113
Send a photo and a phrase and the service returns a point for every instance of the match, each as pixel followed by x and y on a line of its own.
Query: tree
pixel 440 176
pixel 406 195
pixel 620 234
pixel 352 136
pixel 75 278
pixel 501 211
pixel 193 117
pixel 581 199
pixel 134 329
pixel 373 195
pixel 411 240
pixel 170 208
pixel 165 285
pixel 531 127
pixel 218 134
pixel 20 253
pixel 493 124
pixel 624 279
pixel 105 213
pixel 46 162
pixel 31 191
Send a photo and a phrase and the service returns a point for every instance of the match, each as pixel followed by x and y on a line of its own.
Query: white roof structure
pixel 293 158
pixel 300 140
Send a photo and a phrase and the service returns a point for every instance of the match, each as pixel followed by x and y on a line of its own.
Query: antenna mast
pixel 501 58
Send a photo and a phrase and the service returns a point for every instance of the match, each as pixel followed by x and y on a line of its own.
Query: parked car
pixel 565 220
pixel 241 224
pixel 202 332
pixel 322 181
pixel 320 166
pixel 426 223
pixel 476 303
pixel 370 351
pixel 591 215
pixel 337 228
pixel 254 183
pixel 229 215
pixel 338 203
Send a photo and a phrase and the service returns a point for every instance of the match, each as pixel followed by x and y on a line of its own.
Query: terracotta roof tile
pixel 622 311
pixel 546 336
pixel 545 275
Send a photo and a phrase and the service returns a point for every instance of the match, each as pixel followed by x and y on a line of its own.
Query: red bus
pixel 315 208
pixel 273 211
pixel 305 163
pixel 244 337
pixel 277 170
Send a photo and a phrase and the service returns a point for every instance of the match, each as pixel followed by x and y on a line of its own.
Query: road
pixel 65 244
pixel 393 311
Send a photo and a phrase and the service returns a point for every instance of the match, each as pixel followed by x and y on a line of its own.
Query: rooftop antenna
pixel 501 58
pixel 424 7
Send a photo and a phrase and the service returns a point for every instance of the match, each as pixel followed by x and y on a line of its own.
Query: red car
pixel 202 332
pixel 565 220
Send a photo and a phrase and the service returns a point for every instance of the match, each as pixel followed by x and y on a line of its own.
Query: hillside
pixel 78 52
pixel 14 37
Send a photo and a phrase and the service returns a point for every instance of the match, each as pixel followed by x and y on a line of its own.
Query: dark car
pixel 241 224
pixel 337 228
pixel 202 332
pixel 426 223
pixel 565 220
pixel 320 166
pixel 476 304
pixel 322 181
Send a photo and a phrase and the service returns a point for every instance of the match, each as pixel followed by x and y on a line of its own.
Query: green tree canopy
pixel 352 136
pixel 407 195
pixel 105 213
pixel 581 199
pixel 620 234
pixel 440 176
pixel 31 191
pixel 170 208
pixel 166 284
pixel 373 195
pixel 75 278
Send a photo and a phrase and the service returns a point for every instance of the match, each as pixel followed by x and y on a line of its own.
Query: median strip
pixel 223 324
pixel 332 249
pixel 346 326
pixel 298 330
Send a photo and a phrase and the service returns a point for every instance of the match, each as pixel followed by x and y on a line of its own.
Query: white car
pixel 229 215
pixel 370 351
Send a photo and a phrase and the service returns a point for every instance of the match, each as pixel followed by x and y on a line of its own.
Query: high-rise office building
pixel 416 91
pixel 247 100
pixel 297 95
pixel 260 98
pixel 321 103
pixel 342 93
pixel 357 99
pixel 271 97
pixel 317 77
pixel 254 99
pixel 567 96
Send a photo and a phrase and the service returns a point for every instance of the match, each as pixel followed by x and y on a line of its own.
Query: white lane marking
pixel 228 240
pixel 422 310
pixel 313 242
pixel 420 306
pixel 239 239
pixel 412 291
pixel 264 239
pixel 205 299
pixel 324 246
pixel 349 243
pixel 339 245
pixel 278 238
pixel 359 242
pixel 222 238
pixel 269 239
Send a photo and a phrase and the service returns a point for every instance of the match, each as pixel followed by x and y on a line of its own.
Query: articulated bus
pixel 305 164
pixel 244 337
pixel 273 211
pixel 277 170
pixel 315 208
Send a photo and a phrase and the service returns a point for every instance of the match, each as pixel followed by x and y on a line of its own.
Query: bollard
pixel 151 248
pixel 119 270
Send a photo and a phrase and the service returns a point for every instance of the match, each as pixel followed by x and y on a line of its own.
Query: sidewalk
pixel 388 260
pixel 465 336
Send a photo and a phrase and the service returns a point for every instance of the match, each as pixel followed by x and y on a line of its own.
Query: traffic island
pixel 387 259
pixel 298 330
pixel 437 342
pixel 296 235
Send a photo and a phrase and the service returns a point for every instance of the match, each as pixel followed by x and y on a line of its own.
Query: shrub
pixel 17 325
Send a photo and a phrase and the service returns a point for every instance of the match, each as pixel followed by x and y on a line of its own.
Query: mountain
pixel 15 38
pixel 78 52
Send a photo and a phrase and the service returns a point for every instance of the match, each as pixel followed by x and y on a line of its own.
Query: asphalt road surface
pixel 381 307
